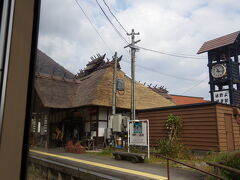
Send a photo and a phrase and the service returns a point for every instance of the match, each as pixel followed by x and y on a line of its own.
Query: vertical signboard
pixel 222 96
pixel 138 134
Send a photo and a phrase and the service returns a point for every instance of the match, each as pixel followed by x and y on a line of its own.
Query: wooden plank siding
pixel 199 130
pixel 221 112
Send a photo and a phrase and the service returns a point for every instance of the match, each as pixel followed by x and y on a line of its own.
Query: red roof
pixel 180 100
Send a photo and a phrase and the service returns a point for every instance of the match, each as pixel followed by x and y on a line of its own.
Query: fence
pixel 192 167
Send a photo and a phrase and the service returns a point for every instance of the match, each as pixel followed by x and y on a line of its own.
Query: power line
pixel 160 52
pixel 147 49
pixel 170 54
pixel 200 82
pixel 164 74
pixel 109 9
pixel 111 23
pixel 114 16
pixel 93 26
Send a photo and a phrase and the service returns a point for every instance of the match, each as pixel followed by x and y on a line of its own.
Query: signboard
pixel 222 96
pixel 138 133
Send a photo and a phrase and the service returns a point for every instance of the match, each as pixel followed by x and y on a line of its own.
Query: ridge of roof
pixel 95 64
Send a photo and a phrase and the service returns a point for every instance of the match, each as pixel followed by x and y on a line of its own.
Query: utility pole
pixel 133 57
pixel 114 84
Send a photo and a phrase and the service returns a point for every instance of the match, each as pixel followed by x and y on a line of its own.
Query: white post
pixel 114 84
pixel 148 140
pixel 128 135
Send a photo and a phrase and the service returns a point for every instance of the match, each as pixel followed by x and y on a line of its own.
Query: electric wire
pixel 93 26
pixel 149 69
pixel 196 85
pixel 147 49
pixel 170 54
pixel 112 23
pixel 164 74
pixel 114 16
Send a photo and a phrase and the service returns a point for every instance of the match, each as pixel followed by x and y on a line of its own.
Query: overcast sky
pixel 173 26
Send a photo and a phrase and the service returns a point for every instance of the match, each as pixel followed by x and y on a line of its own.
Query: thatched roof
pixel 55 92
pixel 46 65
pixel 94 87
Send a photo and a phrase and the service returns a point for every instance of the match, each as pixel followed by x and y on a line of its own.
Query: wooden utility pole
pixel 133 57
pixel 114 84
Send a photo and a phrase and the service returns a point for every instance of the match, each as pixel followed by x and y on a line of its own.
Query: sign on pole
pixel 222 96
pixel 138 133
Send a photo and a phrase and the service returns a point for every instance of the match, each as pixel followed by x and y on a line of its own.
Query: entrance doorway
pixel 229 131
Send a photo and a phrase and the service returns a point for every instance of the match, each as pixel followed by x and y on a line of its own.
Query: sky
pixel 173 26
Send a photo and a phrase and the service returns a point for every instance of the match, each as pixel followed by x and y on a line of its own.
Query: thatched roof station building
pixel 82 103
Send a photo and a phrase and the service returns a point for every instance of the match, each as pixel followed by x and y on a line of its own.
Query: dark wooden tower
pixel 223 63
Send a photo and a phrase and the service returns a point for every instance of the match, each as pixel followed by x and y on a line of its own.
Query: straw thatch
pixel 93 85
pixel 46 65
pixel 94 89
pixel 55 92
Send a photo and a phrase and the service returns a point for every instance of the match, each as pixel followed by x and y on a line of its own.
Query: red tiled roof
pixel 219 42
pixel 180 100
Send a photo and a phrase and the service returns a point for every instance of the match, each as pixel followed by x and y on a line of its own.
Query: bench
pixel 133 157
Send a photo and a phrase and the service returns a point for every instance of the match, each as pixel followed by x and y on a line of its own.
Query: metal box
pixel 117 122
pixel 120 85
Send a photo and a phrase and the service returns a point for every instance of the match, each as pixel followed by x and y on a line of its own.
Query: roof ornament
pixel 162 89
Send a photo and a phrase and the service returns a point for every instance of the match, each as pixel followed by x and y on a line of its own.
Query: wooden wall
pixel 199 130
pixel 206 126
pixel 223 131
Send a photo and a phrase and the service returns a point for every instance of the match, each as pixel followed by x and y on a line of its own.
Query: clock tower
pixel 223 64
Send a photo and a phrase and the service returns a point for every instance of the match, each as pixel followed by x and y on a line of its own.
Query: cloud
pixel 168 26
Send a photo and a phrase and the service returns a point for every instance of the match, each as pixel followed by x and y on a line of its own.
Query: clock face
pixel 218 71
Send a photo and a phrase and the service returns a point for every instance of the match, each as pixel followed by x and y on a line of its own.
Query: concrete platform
pixel 118 169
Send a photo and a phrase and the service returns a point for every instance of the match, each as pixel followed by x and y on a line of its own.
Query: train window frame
pixel 17 57
pixel 6 22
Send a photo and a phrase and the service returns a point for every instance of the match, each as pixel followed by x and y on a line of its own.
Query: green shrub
pixel 232 160
pixel 170 146
pixel 173 125
pixel 173 149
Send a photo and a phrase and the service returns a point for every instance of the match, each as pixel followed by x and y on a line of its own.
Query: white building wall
pixel 102 123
